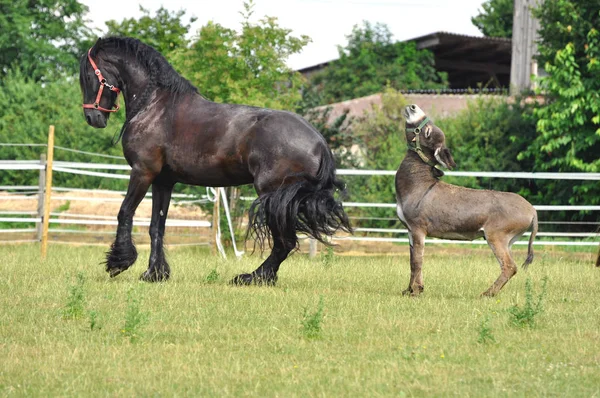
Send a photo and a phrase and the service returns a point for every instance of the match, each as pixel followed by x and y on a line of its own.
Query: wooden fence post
pixel 48 191
pixel 216 221
pixel 41 187
pixel 598 258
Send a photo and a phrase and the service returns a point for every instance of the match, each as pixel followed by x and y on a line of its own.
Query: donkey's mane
pixel 158 68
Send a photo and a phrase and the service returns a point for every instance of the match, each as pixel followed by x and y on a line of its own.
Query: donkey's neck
pixel 415 175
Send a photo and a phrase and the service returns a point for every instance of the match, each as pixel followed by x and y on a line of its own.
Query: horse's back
pixel 233 144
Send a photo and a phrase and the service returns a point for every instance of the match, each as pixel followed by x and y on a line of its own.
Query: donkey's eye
pixel 427 131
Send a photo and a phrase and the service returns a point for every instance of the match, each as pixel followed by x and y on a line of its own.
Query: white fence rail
pixel 121 172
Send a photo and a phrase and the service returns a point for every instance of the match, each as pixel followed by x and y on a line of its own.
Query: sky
pixel 326 22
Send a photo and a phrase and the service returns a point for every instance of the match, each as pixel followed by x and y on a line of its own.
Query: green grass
pixel 199 336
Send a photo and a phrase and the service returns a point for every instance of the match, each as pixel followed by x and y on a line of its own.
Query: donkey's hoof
pixel 155 276
pixel 487 293
pixel 254 279
pixel 413 292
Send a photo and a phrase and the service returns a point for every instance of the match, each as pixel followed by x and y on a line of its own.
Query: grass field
pixel 66 329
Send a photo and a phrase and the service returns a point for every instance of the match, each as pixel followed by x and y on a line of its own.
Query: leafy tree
pixel 568 120
pixel 496 18
pixel 246 67
pixel 28 108
pixel 371 60
pixel 488 136
pixel 165 31
pixel 383 146
pixel 43 38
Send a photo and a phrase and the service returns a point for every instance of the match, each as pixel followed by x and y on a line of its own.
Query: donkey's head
pixel 426 138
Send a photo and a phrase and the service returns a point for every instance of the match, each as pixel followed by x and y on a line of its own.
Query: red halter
pixel 103 83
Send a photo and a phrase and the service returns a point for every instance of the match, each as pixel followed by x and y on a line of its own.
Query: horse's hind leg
pixel 122 253
pixel 158 268
pixel 500 247
pixel 267 272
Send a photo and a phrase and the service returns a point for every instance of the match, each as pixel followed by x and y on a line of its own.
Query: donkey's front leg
pixel 122 253
pixel 417 247
pixel 158 268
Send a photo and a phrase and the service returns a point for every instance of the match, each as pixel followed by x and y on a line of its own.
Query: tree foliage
pixel 568 119
pixel 43 38
pixel 246 67
pixel 496 18
pixel 28 108
pixel 371 60
pixel 165 31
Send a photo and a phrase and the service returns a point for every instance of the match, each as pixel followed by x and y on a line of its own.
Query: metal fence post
pixel 216 221
pixel 312 247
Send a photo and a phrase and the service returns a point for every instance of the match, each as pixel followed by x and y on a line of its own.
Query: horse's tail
pixel 534 230
pixel 306 205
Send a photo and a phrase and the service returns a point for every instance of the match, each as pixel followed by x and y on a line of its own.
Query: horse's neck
pixel 138 87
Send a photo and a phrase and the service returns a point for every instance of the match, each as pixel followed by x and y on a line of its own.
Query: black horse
pixel 172 134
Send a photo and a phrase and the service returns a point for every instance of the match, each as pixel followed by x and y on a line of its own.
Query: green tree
pixel 488 136
pixel 568 120
pixel 29 107
pixel 496 18
pixel 371 60
pixel 383 146
pixel 246 67
pixel 165 31
pixel 43 38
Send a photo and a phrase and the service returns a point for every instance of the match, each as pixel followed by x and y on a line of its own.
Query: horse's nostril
pixel 413 107
pixel 89 119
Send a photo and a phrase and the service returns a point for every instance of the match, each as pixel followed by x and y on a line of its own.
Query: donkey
pixel 430 207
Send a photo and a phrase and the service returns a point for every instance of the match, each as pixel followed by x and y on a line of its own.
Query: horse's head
pixel 98 80
pixel 422 135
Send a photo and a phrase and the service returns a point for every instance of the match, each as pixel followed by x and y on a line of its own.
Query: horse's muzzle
pixel 95 118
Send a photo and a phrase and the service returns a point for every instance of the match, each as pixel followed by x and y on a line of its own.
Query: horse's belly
pixel 213 177
pixel 209 174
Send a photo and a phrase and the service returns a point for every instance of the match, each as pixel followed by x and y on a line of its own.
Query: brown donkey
pixel 430 207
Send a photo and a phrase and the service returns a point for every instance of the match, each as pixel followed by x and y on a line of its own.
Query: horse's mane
pixel 157 66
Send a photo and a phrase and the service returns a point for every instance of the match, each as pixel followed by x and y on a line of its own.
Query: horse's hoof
pixel 119 258
pixel 153 276
pixel 254 279
pixel 112 272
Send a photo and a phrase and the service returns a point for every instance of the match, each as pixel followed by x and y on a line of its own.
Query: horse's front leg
pixel 158 268
pixel 122 253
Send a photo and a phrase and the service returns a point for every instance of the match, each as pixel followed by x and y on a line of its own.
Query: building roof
pixel 470 61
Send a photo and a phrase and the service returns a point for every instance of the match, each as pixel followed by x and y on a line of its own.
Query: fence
pixel 365 234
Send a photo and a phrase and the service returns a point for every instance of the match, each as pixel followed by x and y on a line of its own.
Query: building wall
pixel 435 105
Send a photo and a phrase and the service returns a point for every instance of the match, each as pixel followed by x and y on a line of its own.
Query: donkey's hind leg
pixel 158 268
pixel 122 253
pixel 500 247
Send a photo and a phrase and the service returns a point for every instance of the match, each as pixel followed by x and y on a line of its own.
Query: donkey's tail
pixel 534 230
pixel 306 205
